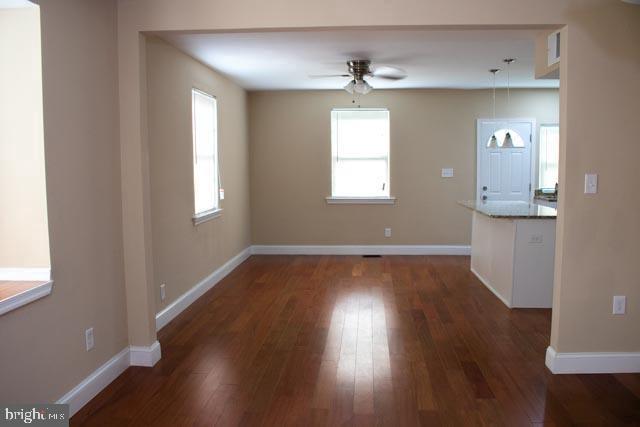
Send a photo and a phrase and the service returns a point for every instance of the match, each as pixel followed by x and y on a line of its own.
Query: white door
pixel 504 164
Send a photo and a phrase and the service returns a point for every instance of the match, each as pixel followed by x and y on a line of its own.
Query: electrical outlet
pixel 619 304
pixel 387 232
pixel 88 339
pixel 162 292
pixel 536 239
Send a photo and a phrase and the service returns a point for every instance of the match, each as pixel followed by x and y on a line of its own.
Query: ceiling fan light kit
pixel 358 86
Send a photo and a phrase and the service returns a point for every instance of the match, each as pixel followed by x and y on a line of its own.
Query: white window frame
pixel 216 210
pixel 340 200
pixel 539 169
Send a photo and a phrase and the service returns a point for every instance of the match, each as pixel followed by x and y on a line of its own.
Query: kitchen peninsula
pixel 512 250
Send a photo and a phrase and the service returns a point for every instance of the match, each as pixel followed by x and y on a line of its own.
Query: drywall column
pixel 597 244
pixel 136 216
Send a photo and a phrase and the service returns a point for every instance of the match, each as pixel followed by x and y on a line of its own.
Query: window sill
pixel 206 216
pixel 16 294
pixel 361 200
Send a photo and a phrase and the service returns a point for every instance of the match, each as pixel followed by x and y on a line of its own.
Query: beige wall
pixel 599 98
pixel 24 235
pixel 183 254
pixel 430 130
pixel 42 350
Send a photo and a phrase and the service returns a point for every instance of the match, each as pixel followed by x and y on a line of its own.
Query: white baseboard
pixel 145 356
pixel 592 363
pixel 361 250
pixel 25 274
pixel 485 282
pixel 81 394
pixel 88 388
pixel 189 297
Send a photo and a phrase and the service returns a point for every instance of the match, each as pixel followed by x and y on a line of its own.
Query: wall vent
pixel 553 48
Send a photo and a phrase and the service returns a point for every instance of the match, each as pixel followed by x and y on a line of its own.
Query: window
pixel 549 155
pixel 25 263
pixel 360 153
pixel 205 155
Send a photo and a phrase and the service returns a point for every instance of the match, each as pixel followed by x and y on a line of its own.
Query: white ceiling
pixel 432 59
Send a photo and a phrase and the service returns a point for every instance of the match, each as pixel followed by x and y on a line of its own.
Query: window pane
pixel 362 134
pixel 205 174
pixel 362 178
pixel 360 153
pixel 549 156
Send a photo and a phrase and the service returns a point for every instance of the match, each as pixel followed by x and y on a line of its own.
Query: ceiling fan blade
pixel 388 72
pixel 321 76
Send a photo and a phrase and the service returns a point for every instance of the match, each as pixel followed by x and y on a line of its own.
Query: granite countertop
pixel 515 210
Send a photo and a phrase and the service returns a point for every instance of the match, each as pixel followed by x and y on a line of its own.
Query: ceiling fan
pixel 358 69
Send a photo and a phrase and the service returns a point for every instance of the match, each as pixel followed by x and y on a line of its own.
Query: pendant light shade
pixel 493 142
pixel 508 141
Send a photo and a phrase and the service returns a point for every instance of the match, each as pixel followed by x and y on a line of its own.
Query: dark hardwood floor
pixel 341 340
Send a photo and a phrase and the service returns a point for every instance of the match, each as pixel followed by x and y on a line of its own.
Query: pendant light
pixel 508 141
pixel 493 142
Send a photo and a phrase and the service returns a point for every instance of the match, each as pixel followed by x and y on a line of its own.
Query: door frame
pixel 533 157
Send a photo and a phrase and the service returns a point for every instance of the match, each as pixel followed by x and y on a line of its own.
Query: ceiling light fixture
pixel 358 86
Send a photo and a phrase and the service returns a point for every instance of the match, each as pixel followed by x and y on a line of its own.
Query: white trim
pixel 88 388
pixel 485 282
pixel 25 297
pixel 592 363
pixel 145 356
pixel 25 274
pixel 206 216
pixel 186 299
pixel 360 250
pixel 360 200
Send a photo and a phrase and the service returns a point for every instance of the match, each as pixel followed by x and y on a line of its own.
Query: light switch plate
pixel 88 339
pixel 619 304
pixel 387 232
pixel 590 183
pixel 447 172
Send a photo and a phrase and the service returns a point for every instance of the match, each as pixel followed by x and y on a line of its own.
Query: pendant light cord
pixel 494 95
pixel 509 61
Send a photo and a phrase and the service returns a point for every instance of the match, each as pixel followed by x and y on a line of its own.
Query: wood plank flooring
pixel 345 340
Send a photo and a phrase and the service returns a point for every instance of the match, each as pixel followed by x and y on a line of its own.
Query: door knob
pixel 484 188
pixel 484 197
